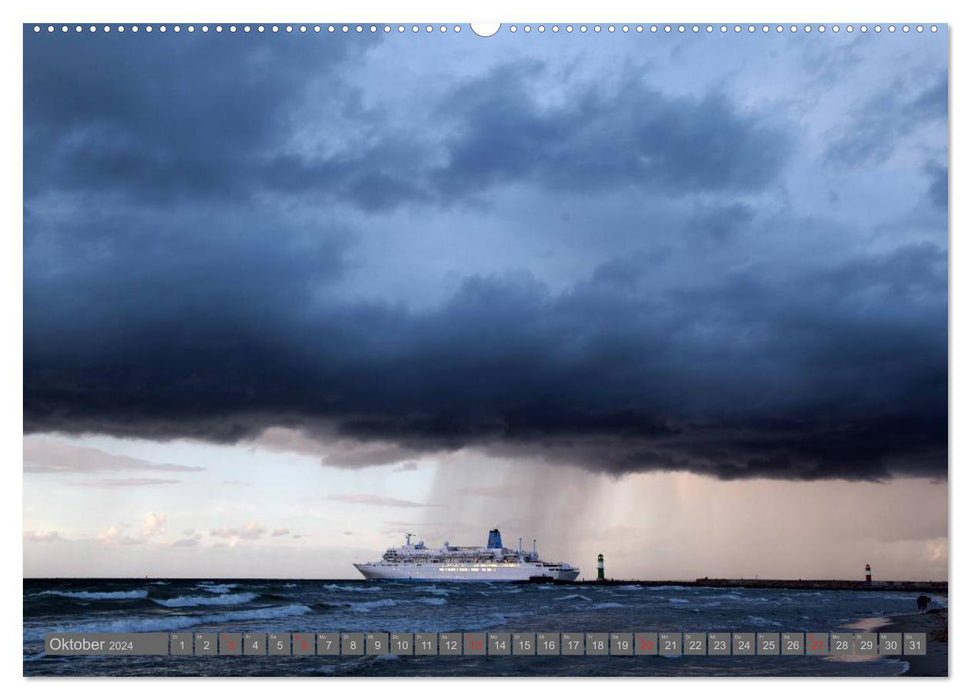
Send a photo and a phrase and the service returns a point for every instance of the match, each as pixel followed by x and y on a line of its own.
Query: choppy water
pixel 360 606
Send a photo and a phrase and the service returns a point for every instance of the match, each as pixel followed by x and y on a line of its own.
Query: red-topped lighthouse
pixel 869 577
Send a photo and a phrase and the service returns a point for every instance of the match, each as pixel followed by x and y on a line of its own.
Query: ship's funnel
pixel 495 540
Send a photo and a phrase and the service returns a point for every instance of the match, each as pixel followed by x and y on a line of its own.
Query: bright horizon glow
pixel 259 512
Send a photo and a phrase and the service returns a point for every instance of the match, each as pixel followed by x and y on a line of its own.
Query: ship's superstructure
pixel 416 562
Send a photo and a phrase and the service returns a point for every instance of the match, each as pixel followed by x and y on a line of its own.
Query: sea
pixel 102 605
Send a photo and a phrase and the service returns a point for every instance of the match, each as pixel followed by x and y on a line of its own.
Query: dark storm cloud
pixel 748 376
pixel 196 118
pixel 885 120
pixel 165 117
pixel 721 223
pixel 166 296
pixel 631 137
pixel 937 191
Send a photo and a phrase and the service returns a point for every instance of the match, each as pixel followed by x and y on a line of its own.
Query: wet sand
pixel 934 623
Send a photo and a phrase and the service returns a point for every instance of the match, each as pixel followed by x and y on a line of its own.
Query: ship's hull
pixel 518 571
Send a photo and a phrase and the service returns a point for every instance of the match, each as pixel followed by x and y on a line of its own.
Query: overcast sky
pixel 295 295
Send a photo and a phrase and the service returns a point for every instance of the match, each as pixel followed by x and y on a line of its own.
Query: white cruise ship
pixel 416 562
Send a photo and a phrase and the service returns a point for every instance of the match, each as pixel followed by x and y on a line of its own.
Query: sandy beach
pixel 934 623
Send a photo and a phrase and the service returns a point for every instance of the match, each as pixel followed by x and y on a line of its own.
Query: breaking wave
pixel 434 590
pixel 188 601
pixel 500 619
pixel 352 589
pixel 99 595
pixel 756 620
pixel 432 601
pixel 368 606
pixel 171 622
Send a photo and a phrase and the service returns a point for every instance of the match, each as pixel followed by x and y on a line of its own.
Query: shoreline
pixel 935 624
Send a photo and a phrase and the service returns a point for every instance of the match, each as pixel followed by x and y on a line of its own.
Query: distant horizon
pixel 509 583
